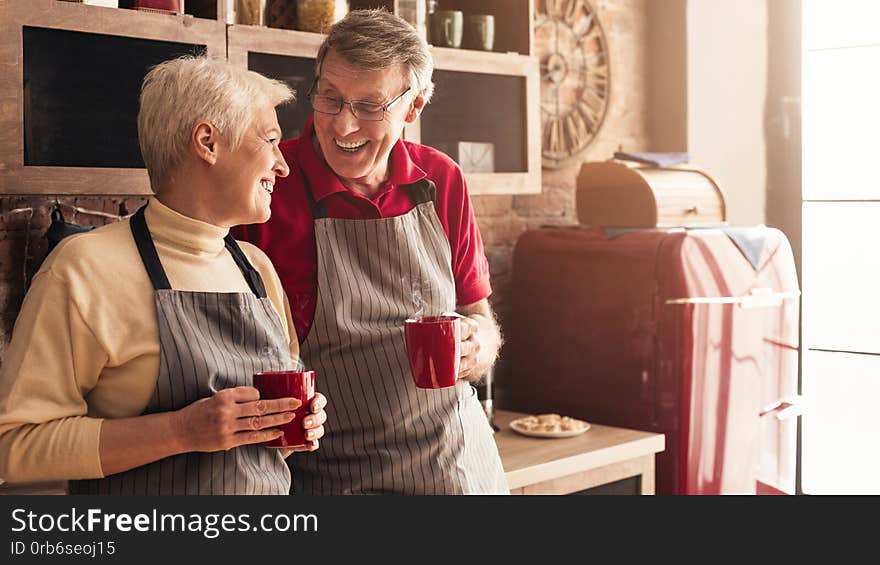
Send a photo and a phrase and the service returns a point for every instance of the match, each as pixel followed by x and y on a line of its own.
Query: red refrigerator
pixel 692 333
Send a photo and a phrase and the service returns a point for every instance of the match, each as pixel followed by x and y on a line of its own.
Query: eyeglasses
pixel 368 111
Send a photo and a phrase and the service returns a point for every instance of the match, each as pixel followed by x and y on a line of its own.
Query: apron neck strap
pixel 421 191
pixel 319 211
pixel 147 250
pixel 155 270
pixel 253 278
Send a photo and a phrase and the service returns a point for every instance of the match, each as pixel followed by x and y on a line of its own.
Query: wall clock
pixel 575 78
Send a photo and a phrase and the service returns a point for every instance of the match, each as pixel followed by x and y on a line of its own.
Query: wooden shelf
pixel 243 39
pixel 74 181
pixel 488 62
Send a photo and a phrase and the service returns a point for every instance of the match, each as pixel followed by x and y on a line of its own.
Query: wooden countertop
pixel 529 460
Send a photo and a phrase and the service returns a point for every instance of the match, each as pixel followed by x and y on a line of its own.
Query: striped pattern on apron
pixel 383 434
pixel 208 341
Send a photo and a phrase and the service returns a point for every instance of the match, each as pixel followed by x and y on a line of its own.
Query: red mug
pixel 433 344
pixel 284 384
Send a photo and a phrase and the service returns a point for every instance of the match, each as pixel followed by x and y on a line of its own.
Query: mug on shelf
pixel 479 32
pixel 447 27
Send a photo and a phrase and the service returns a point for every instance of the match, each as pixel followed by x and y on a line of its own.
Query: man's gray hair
pixel 178 93
pixel 376 39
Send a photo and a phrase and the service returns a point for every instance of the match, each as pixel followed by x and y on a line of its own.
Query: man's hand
pixel 480 340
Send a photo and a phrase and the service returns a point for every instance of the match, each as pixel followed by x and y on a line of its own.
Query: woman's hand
pixel 314 425
pixel 232 417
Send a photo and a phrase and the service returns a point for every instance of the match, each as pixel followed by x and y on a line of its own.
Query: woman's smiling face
pixel 246 175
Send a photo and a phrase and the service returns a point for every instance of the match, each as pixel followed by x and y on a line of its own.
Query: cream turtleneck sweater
pixel 86 346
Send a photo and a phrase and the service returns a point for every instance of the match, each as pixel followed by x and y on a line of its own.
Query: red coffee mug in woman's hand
pixel 288 384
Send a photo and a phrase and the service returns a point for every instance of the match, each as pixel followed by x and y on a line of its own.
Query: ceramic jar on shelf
pixel 317 16
pixel 281 14
pixel 250 12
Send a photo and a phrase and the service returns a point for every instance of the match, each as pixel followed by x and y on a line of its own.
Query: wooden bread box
pixel 619 193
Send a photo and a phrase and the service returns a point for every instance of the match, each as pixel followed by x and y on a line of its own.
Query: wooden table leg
pixel 647 478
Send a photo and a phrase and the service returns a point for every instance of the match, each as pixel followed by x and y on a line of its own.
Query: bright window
pixel 841 247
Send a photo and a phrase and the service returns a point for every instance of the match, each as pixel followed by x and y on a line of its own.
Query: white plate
pixel 514 425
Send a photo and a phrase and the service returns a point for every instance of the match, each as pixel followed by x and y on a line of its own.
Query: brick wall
pixel 502 219
pixel 23 224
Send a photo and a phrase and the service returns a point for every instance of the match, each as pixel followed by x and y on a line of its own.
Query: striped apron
pixel 208 341
pixel 384 435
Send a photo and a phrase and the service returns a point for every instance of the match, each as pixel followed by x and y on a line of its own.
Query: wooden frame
pixel 244 39
pixel 15 177
pixel 528 182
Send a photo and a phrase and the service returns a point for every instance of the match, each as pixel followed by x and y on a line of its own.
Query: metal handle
pixel 488 404
pixel 756 298
pixel 761 298
pixel 692 210
pixel 784 409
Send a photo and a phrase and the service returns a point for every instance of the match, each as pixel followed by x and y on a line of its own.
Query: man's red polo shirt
pixel 288 238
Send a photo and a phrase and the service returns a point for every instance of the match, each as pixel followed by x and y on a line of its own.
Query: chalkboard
pixel 81 94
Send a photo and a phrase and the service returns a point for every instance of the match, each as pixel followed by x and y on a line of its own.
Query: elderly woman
pixel 369 230
pixel 130 366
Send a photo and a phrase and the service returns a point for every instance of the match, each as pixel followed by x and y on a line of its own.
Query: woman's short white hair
pixel 375 40
pixel 178 93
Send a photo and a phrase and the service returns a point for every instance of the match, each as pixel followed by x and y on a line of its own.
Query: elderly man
pixel 368 230
pixel 130 366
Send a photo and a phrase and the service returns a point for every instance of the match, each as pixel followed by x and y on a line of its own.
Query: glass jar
pixel 250 12
pixel 281 14
pixel 317 16
pixel 430 8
